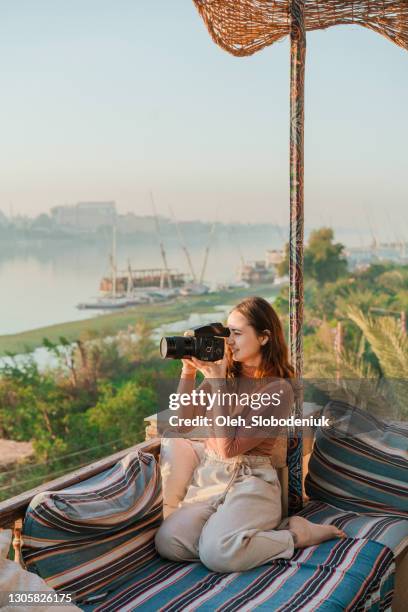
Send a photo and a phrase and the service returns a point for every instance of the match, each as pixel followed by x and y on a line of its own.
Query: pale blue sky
pixel 107 99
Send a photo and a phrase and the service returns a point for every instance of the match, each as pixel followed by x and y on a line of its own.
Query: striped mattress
pixel 388 530
pixel 96 540
pixel 339 575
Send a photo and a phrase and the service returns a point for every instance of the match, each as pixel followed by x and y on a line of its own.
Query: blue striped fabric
pixel 360 464
pixel 95 534
pixel 95 539
pixel 388 530
pixel 338 575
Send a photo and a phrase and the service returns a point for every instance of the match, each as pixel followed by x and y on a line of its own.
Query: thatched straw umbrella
pixel 243 27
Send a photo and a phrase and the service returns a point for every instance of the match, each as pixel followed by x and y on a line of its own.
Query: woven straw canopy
pixel 243 27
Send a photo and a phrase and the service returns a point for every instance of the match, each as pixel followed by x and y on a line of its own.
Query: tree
pixel 324 260
pixel 387 340
pixel 283 267
pixel 119 413
pixel 380 386
pixel 42 222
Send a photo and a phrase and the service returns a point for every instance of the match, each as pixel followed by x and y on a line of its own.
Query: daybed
pixel 96 538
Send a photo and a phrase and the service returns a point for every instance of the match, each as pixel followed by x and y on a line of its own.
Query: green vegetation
pixel 364 312
pixel 112 323
pixel 94 403
pixel 324 260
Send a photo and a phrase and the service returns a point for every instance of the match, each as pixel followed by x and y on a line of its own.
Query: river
pixel 42 284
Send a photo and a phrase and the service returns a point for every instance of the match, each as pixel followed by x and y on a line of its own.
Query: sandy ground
pixel 11 451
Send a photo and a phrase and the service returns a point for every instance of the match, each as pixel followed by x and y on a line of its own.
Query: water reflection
pixel 41 284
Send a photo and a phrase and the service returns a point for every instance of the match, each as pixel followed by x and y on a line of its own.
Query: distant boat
pixel 133 287
pixel 257 273
pixel 114 302
pixel 194 289
pixel 233 285
pixel 107 303
pixel 146 278
pixel 160 295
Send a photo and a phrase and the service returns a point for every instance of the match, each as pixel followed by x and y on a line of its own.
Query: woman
pixel 230 518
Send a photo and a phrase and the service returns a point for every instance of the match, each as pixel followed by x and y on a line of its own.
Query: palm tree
pixel 389 343
pixel 348 376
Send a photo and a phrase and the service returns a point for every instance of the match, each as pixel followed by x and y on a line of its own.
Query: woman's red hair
pixel 263 318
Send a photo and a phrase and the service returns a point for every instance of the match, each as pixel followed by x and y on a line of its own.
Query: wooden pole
pixel 297 86
pixel 17 529
pixel 338 346
pixel 403 319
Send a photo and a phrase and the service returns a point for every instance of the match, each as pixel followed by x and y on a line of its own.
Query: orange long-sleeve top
pixel 230 441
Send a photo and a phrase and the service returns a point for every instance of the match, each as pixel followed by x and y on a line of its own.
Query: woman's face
pixel 243 342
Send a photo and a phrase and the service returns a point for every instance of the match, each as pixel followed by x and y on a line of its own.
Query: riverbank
pixel 112 323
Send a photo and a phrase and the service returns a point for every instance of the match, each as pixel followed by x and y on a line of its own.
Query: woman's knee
pixel 217 555
pixel 177 537
pixel 166 541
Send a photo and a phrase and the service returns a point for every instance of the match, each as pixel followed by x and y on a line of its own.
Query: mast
pixel 374 242
pixel 130 280
pixel 162 251
pixel 113 261
pixel 297 118
pixel 183 246
pixel 207 250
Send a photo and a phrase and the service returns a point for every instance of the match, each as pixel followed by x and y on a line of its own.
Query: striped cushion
pixel 388 530
pixel 338 575
pixel 359 463
pixel 95 534
pixel 96 539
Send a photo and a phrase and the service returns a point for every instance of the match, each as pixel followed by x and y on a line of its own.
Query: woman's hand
pixel 189 369
pixel 211 369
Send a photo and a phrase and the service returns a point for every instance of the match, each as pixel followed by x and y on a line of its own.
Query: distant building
pixel 130 223
pixel 3 219
pixel 84 215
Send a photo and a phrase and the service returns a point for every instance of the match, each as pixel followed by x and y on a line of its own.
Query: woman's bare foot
pixel 309 534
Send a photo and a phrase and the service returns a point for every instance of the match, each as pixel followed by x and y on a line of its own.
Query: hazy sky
pixel 107 99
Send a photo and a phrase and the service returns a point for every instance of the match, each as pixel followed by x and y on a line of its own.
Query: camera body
pixel 205 342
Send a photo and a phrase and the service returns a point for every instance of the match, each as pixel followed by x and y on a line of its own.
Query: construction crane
pixel 162 251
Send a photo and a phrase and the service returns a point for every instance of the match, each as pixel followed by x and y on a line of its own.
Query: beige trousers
pixel 230 516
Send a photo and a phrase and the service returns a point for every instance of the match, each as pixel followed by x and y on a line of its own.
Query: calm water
pixel 41 285
pixel 47 360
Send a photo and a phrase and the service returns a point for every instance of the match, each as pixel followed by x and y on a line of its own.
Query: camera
pixel 205 342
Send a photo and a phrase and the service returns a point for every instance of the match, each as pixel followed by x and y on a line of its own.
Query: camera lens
pixel 176 347
pixel 165 347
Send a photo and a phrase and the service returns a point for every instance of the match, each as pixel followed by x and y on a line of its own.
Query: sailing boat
pixel 113 300
pixel 194 287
